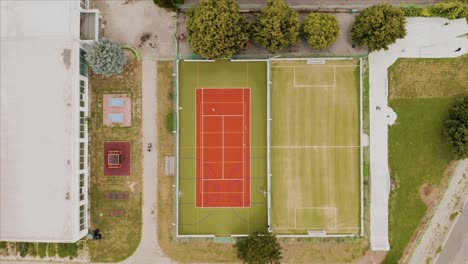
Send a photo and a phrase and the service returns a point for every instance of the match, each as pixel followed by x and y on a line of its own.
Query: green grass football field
pixel 315 147
pixel 193 220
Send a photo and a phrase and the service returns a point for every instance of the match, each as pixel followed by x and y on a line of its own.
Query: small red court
pixel 116 158
pixel 222 147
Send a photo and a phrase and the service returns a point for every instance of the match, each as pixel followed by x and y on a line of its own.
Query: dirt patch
pixel 428 193
pixel 372 257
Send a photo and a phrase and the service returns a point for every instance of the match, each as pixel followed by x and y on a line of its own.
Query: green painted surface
pixel 315 147
pixel 222 221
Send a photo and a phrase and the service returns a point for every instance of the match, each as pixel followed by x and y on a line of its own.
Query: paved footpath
pixel 440 224
pixel 426 38
pixel 454 251
pixel 149 252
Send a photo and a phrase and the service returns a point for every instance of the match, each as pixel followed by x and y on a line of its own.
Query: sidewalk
pixel 426 38
pixel 440 224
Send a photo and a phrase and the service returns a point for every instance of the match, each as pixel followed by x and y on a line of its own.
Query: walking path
pixel 149 252
pixel 440 223
pixel 454 250
pixel 426 38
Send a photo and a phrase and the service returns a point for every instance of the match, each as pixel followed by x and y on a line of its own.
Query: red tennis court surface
pixel 223 147
pixel 116 158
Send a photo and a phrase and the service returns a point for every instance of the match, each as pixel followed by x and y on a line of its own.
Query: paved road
pixel 455 250
pixel 426 38
pixel 322 3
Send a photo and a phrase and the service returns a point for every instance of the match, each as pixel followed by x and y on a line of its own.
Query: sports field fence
pixel 267 58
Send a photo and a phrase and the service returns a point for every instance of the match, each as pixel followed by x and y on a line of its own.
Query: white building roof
pixel 39 121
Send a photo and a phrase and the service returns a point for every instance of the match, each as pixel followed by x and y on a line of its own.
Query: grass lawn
pixel 121 234
pixel 315 147
pixel 204 251
pixel 422 91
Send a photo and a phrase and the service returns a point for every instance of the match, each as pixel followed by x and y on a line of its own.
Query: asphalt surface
pixel 455 250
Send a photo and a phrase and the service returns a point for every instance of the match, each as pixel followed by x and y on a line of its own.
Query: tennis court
pixel 221 181
pixel 315 146
pixel 223 147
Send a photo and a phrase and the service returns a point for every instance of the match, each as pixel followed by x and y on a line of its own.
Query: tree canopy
pixel 379 26
pixel 276 26
pixel 321 30
pixel 456 128
pixel 216 29
pixel 105 57
pixel 259 248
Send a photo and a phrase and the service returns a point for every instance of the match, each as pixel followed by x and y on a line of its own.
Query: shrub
pixel 23 249
pixel 169 4
pixel 32 250
pixel 321 30
pixel 276 26
pixel 456 128
pixel 259 248
pixel 41 249
pixel 379 26
pixel 170 122
pixel 216 29
pixel 105 57
pixel 67 250
pixel 51 250
pixel 450 9
pixel 415 11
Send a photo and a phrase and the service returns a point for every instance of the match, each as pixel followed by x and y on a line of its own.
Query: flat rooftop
pixel 39 120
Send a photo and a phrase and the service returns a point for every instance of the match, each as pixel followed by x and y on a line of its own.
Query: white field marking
pixel 334 75
pixel 313 85
pixel 314 66
pixel 306 147
pixel 318 86
pixel 314 208
pixel 215 162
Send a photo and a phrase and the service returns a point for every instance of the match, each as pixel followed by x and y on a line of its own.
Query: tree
pixel 456 128
pixel 170 4
pixel 379 26
pixel 216 29
pixel 105 57
pixel 259 248
pixel 321 30
pixel 276 27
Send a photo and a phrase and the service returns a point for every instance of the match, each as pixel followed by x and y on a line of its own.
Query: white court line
pixel 214 162
pixel 223 102
pixel 222 192
pixel 314 85
pixel 227 179
pixel 202 145
pixel 223 132
pixel 305 147
pixel 222 147
pixel 243 145
pixel 221 115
